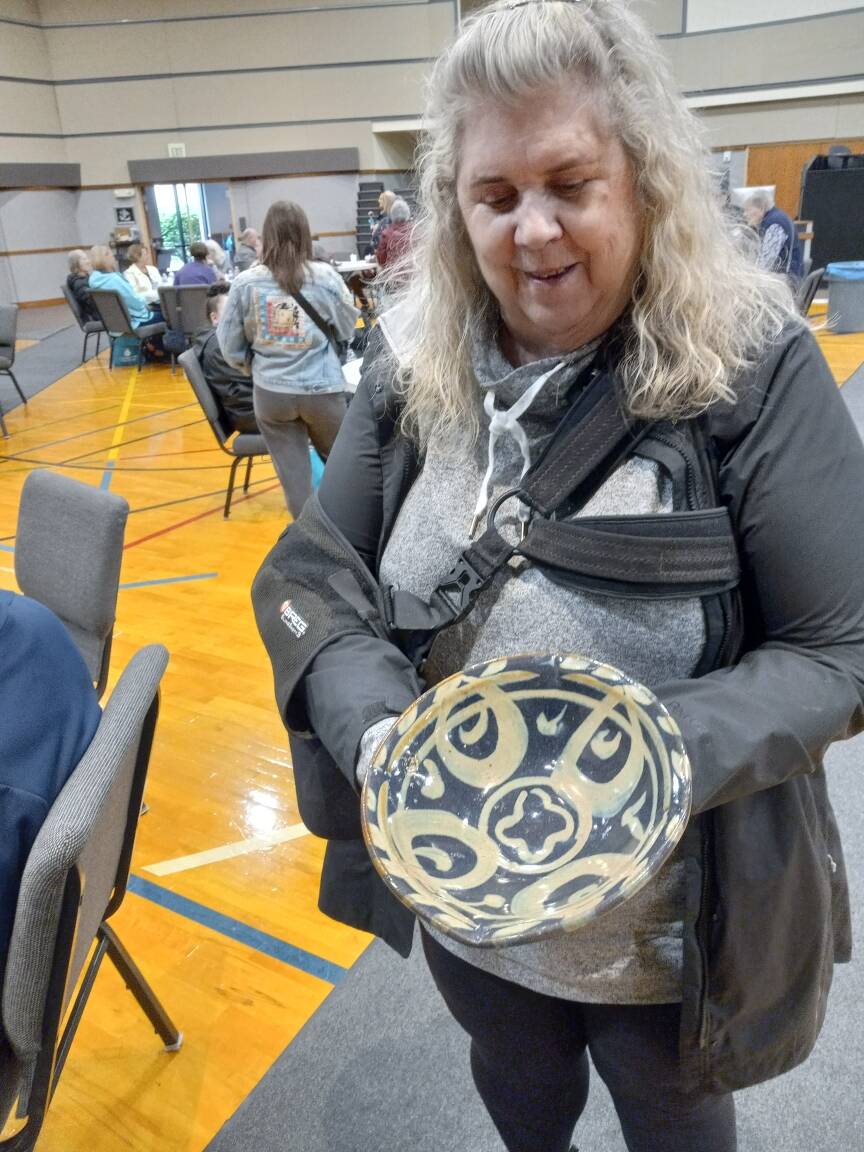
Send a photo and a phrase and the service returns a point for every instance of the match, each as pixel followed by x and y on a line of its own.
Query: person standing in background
pixel 248 250
pixel 268 328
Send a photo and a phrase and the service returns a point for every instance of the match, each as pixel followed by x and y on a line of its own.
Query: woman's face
pixel 547 196
pixel 144 258
pixel 84 265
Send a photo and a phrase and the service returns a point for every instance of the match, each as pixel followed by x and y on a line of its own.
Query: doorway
pixel 180 214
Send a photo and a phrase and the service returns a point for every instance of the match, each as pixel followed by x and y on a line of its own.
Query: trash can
pixel 846 296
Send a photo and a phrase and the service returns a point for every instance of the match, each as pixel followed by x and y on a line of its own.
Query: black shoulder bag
pixel 340 347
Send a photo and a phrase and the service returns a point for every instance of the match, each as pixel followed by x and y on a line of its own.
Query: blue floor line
pixel 227 926
pixel 105 482
pixel 6 548
pixel 169 580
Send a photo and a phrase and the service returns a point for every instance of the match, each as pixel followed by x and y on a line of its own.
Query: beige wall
pixel 702 14
pixel 319 78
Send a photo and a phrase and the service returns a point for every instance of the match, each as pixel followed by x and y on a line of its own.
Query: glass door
pixel 182 214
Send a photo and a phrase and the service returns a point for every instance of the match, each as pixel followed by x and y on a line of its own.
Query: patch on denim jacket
pixel 282 321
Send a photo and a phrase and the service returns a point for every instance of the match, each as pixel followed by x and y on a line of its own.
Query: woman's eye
pixel 570 189
pixel 499 201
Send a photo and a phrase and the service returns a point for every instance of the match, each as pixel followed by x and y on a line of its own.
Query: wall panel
pixel 330 202
pixel 39 219
pixel 712 14
pixel 27 108
pixel 782 164
pixel 23 52
pixel 794 120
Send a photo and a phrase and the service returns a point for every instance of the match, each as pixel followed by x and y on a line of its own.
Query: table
pixel 350 267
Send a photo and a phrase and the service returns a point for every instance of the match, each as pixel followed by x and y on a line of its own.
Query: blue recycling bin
pixel 846 296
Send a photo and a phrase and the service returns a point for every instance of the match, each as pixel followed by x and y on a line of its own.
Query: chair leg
pixel 98 338
pixel 3 427
pixel 111 352
pixel 171 1037
pixel 84 349
pixel 248 474
pixel 17 386
pixel 228 494
pixel 140 354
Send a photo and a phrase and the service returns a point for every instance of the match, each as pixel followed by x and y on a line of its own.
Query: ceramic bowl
pixel 525 797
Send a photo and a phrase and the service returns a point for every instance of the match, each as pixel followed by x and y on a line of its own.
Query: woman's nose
pixel 536 223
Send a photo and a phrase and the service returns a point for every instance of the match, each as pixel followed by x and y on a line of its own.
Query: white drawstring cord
pixel 507 420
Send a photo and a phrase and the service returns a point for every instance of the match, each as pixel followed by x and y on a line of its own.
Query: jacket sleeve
pixel 794 483
pixel 342 312
pixel 356 678
pixel 231 332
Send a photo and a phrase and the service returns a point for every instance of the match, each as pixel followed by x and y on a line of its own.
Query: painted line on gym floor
pixel 168 580
pixel 235 930
pixel 227 851
pixel 89 432
pixel 119 431
pixel 6 548
pixel 200 516
pixel 70 460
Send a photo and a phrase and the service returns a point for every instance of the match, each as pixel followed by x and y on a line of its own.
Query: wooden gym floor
pixel 221 914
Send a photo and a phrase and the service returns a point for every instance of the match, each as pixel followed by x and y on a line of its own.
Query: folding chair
pixel 185 311
pixel 117 321
pixel 243 447
pixel 88 327
pixel 68 549
pixel 807 290
pixel 8 329
pixel 74 881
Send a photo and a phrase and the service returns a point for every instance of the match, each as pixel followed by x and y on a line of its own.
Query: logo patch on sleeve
pixel 292 619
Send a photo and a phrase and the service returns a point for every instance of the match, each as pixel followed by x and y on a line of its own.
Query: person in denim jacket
pixel 299 389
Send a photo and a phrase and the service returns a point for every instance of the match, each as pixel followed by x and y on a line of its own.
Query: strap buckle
pixel 455 594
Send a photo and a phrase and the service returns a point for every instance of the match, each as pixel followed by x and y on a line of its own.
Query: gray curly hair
pixel 701 311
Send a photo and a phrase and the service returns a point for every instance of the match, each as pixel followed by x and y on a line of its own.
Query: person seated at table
pixel 77 283
pixel 394 239
pixel 248 250
pixel 105 277
pixel 232 389
pixel 143 277
pixel 779 246
pixel 218 257
pixel 196 270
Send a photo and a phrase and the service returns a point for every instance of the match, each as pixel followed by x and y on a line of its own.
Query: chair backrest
pixel 112 311
pixel 185 309
pixel 807 290
pixel 163 260
pixel 68 549
pixel 76 873
pixel 8 328
pixel 73 304
pixel 195 376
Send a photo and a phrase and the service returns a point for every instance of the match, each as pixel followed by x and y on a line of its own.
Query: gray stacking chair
pixel 88 327
pixel 8 328
pixel 117 321
pixel 73 882
pixel 185 311
pixel 68 549
pixel 243 447
pixel 807 290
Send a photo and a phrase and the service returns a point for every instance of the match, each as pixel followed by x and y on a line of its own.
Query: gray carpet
pixel 38 367
pixel 382 1068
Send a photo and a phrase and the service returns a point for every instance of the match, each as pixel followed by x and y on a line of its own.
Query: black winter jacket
pixel 767 911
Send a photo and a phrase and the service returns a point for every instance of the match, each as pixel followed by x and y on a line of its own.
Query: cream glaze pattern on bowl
pixel 526 796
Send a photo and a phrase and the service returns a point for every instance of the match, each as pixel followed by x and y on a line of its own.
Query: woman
pixel 142 276
pixel 105 276
pixel 218 257
pixel 394 240
pixel 299 389
pixel 569 249
pixel 78 283
pixel 385 202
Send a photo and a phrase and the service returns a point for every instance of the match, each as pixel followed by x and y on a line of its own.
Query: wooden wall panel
pixel 781 165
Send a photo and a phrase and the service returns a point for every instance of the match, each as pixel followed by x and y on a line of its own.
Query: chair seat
pixel 6 361
pixel 93 326
pixel 248 444
pixel 150 330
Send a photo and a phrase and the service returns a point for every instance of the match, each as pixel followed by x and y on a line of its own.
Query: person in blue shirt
pixel 780 248
pixel 49 714
pixel 105 276
pixel 197 270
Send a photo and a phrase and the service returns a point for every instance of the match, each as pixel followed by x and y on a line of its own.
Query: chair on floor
pixel 807 290
pixel 185 312
pixel 243 447
pixel 68 549
pixel 88 327
pixel 117 322
pixel 73 883
pixel 8 328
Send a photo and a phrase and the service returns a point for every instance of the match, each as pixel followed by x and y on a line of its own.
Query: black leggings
pixel 529 1062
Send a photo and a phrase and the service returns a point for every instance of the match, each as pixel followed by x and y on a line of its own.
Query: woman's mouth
pixel 549 275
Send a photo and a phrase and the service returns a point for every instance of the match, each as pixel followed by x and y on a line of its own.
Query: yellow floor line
pixel 120 431
pixel 226 851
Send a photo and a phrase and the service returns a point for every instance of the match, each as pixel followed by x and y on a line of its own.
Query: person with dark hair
pixel 231 387
pixel 197 270
pixel 282 321
pixel 78 283
pixel 50 714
